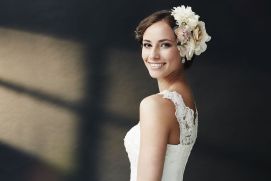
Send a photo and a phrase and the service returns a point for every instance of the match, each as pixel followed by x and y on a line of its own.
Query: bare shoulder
pixel 155 130
pixel 155 102
pixel 156 108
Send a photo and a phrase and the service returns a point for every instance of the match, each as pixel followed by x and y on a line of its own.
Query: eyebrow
pixel 162 40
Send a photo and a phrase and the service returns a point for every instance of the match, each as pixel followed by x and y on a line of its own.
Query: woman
pixel 159 145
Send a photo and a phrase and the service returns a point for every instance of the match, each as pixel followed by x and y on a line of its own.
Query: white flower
pixel 185 16
pixel 190 49
pixel 190 32
pixel 187 50
pixel 201 37
pixel 182 49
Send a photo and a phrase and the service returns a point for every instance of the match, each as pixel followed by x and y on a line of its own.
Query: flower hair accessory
pixel 191 32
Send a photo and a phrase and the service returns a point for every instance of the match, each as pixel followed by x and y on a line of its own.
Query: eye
pixel 146 45
pixel 165 45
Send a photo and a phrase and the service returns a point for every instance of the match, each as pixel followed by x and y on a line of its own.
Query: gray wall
pixel 71 80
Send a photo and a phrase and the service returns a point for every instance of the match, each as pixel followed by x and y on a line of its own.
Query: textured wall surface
pixel 71 80
pixel 41 78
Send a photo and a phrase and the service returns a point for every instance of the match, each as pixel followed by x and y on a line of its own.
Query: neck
pixel 172 82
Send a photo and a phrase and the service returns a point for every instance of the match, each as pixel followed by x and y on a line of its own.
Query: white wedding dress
pixel 176 155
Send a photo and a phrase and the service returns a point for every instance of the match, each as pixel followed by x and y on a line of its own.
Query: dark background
pixel 231 83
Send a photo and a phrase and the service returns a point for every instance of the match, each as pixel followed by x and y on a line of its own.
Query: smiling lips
pixel 156 65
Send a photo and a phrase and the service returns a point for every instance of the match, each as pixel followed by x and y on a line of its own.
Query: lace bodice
pixel 176 155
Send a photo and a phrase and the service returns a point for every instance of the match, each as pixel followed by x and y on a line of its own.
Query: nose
pixel 154 53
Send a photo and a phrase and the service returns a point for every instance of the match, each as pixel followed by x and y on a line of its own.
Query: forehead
pixel 159 30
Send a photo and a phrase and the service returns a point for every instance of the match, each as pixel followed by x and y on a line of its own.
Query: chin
pixel 155 75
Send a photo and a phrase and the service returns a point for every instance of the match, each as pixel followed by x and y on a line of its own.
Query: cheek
pixel 144 54
pixel 173 54
pixel 174 57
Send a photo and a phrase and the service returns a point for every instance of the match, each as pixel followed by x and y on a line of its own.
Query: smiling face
pixel 159 51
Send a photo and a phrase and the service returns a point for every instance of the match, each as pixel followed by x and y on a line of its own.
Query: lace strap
pixel 185 117
pixel 177 99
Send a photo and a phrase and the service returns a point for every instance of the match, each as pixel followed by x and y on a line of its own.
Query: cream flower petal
pixel 182 50
pixel 191 32
pixel 185 16
pixel 183 34
pixel 201 45
pixel 190 49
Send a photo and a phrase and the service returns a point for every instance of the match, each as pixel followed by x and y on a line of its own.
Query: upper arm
pixel 154 132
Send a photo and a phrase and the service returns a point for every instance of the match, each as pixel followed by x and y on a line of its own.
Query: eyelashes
pixel 146 45
pixel 163 45
pixel 166 45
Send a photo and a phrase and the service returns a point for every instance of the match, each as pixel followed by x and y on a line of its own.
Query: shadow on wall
pixel 41 89
pixel 65 107
pixel 56 109
pixel 65 112
pixel 18 166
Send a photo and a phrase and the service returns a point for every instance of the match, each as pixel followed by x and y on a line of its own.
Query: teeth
pixel 156 65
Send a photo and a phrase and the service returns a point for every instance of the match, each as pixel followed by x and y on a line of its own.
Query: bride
pixel 159 145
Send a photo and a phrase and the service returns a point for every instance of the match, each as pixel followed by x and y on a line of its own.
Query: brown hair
pixel 163 15
pixel 153 18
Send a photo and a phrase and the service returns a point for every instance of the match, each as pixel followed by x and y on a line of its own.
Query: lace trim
pixel 186 117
